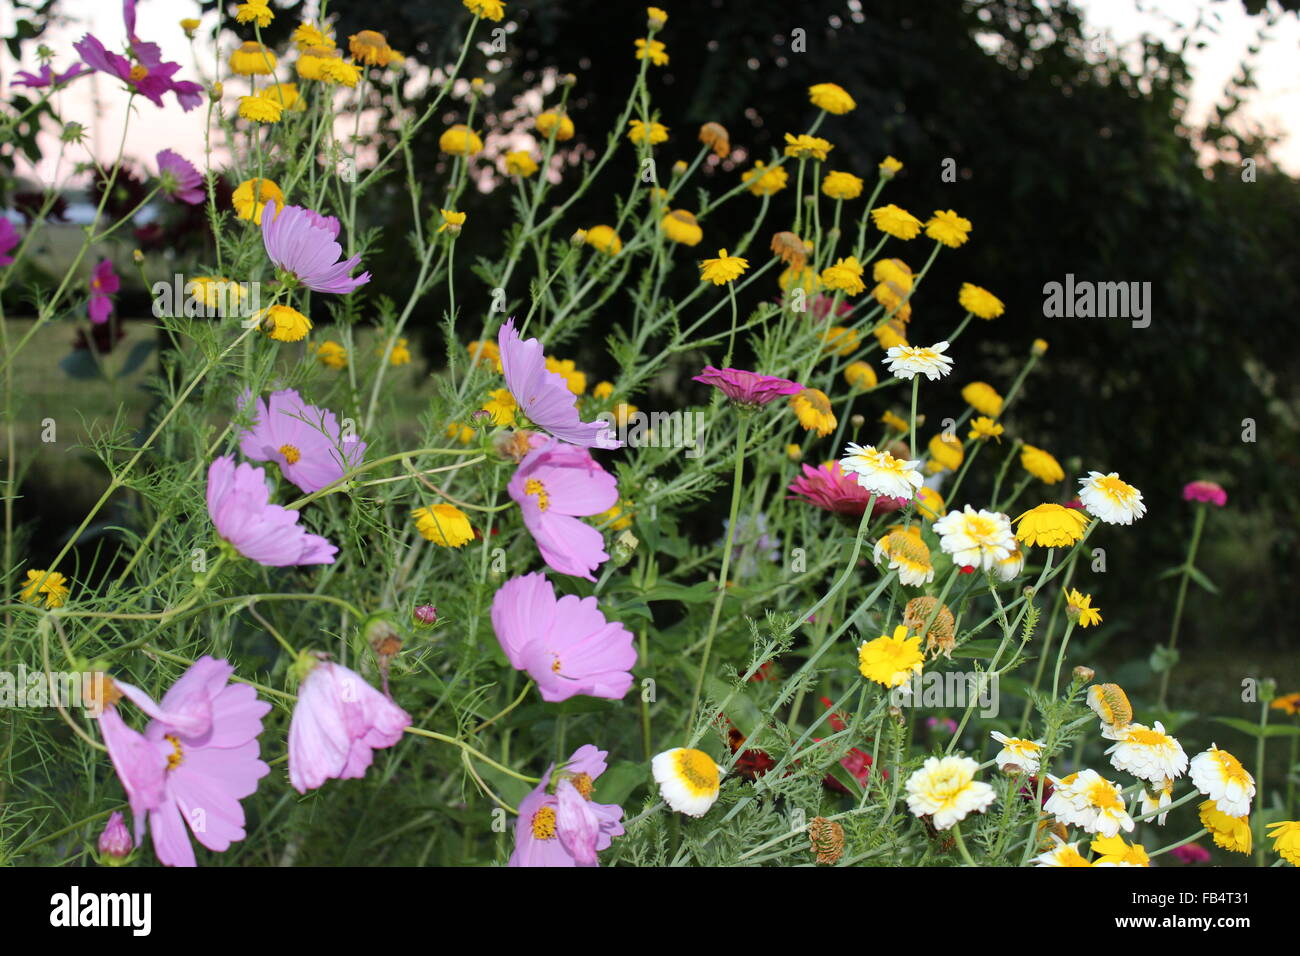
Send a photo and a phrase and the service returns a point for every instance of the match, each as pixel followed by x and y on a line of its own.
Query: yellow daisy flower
pixel 682 227
pixel 1230 833
pixel 252 59
pixel 839 185
pixel 1041 465
pixel 889 167
pixel 813 409
pixel 983 428
pixel 553 121
pixel 501 405
pixel 979 301
pixel 444 525
pixel 831 98
pixel 656 132
pixel 896 221
pixel 605 239
pixel 1081 605
pixel 764 181
pixel 891 660
pixel 331 354
pixel 948 228
pixel 284 324
pixel 845 276
pixel 260 109
pixel 1286 840
pixel 723 269
pixel 804 146
pixel 860 375
pixel 520 163
pixel 254 11
pixel 52 584
pixel 460 140
pixel 1051 526
pixel 984 399
pixel 492 10
pixel 652 50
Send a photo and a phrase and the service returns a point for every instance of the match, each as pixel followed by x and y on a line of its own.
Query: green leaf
pixel 616 783
pixel 80 364
pixel 1254 730
pixel 135 358
pixel 1202 580
pixel 700 593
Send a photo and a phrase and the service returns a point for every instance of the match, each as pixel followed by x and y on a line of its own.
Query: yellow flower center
pixel 1103 796
pixel 138 73
pixel 1147 738
pixel 1116 490
pixel 697 771
pixel 177 755
pixel 291 454
pixel 583 784
pixel 534 487
pixel 544 824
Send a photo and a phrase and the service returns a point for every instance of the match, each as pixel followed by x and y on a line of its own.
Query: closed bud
pixel 625 546
pixel 857 421
pixel 137 256
pixel 115 844
pixel 426 615
pixel 1084 675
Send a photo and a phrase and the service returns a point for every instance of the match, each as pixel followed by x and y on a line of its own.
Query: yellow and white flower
pixel 1088 800
pixel 908 555
pixel 1221 777
pixel 1009 568
pixel 1063 854
pixel 1158 799
pixel 1017 754
pixel 880 472
pixel 1110 703
pixel 689 780
pixel 945 789
pixel 1110 499
pixel 1113 851
pixel 976 539
pixel 908 361
pixel 1148 753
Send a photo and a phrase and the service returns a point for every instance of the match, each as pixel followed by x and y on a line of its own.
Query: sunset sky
pixel 96 102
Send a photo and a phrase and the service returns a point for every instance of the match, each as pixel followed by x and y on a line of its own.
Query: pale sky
pixel 96 101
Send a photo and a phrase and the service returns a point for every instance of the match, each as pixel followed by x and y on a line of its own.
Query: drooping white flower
pixel 1110 499
pixel 1221 777
pixel 1017 754
pixel 689 780
pixel 1148 753
pixel 880 472
pixel 1087 800
pixel 976 539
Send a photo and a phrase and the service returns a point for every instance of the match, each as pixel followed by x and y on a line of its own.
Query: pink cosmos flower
pixel 302 439
pixel 338 721
pixel 543 396
pixel 565 645
pixel 179 179
pixel 749 389
pixel 47 77
pixel 302 243
pixel 1191 853
pixel 828 487
pixel 8 239
pixel 195 761
pixel 561 825
pixel 240 508
pixel 104 284
pixel 554 484
pixel 143 72
pixel 1207 491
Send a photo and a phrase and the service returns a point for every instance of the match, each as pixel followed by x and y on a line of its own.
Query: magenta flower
pixel 115 843
pixel 47 77
pixel 8 239
pixel 559 824
pixel 554 484
pixel 1191 853
pixel 1207 491
pixel 338 721
pixel 179 179
pixel 144 72
pixel 206 732
pixel 240 508
pixel 302 439
pixel 565 645
pixel 749 389
pixel 828 487
pixel 104 284
pixel 302 243
pixel 543 396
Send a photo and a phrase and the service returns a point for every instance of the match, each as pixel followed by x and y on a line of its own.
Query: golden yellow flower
pixel 794 452
pixel 444 525
pixel 840 339
pixel 520 163
pixel 890 334
pixel 655 18
pixel 891 661
pixel 553 121
pixel 946 453
pixel 1080 606
pixel 52 584
pixel 567 370
pixel 501 405
pixel 979 301
pixel 254 11
pixel 831 98
pixel 1051 526
pixel 896 221
pixel 460 140
pixel 813 409
pixel 1114 850
pixel 1286 840
pixel 764 181
pixel 681 226
pixel 860 375
pixel 928 502
pixel 605 239
pixel 804 146
pixel 895 422
pixel 252 59
pixel 1041 465
pixel 492 10
pixel 452 221
pixel 400 354
pixel 845 276
pixel 307 35
pixel 284 324
pixel 462 433
pixel 656 132
pixel 716 137
pixel 652 50
pixel 331 354
pixel 1287 703
pixel 839 185
pixel 889 167
pixel 618 517
pixel 485 353
pixel 723 269
pixel 603 390
pixel 249 204
pixel 983 428
pixel 260 109
pixel 1039 347
pixel 286 94
pixel 805 279
pixel 983 398
pixel 948 228
pixel 1230 833
pixel 189 25
pixel 371 48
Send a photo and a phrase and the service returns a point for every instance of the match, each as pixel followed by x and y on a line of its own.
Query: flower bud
pixel 1084 675
pixel 380 627
pixel 426 615
pixel 625 546
pixel 72 133
pixel 857 421
pixel 137 256
pixel 215 91
pixel 1039 347
pixel 655 18
pixel 115 843
pixel 679 167
pixel 794 452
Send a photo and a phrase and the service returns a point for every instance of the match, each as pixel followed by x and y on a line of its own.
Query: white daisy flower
pixel 907 361
pixel 880 472
pixel 689 780
pixel 1151 802
pixel 1087 800
pixel 1110 499
pixel 1063 854
pixel 976 539
pixel 1221 777
pixel 1009 568
pixel 1017 754
pixel 945 789
pixel 1148 753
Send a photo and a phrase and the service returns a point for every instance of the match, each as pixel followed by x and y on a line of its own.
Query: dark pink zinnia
pixel 831 489
pixel 1207 491
pixel 747 388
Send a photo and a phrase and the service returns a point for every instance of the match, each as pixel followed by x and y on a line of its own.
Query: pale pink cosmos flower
pixel 554 484
pixel 543 396
pixel 302 243
pixel 302 439
pixel 338 722
pixel 559 824
pixel 565 645
pixel 239 505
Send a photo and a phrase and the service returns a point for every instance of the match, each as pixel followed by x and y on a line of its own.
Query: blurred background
pixel 1111 139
